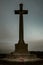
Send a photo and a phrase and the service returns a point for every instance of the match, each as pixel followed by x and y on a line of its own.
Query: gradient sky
pixel 9 24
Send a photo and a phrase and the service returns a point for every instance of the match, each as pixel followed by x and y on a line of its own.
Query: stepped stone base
pixel 18 55
pixel 21 57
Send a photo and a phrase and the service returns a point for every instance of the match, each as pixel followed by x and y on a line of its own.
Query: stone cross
pixel 21 12
pixel 21 47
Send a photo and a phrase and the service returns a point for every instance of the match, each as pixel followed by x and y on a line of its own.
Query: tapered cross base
pixel 21 48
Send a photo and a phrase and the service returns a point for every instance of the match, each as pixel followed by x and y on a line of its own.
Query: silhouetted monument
pixel 21 52
pixel 21 46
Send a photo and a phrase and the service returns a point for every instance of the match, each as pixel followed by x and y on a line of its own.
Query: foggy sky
pixel 9 24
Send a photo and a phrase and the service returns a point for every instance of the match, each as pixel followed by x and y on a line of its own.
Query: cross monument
pixel 21 46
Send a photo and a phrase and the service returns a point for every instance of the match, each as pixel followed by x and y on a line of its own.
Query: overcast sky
pixel 9 24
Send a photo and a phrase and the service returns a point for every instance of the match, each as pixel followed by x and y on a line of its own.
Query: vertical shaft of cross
pixel 21 25
pixel 21 28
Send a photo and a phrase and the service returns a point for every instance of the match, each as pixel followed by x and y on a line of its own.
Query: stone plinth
pixel 21 48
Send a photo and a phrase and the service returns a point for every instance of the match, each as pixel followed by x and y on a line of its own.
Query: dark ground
pixel 38 53
pixel 21 63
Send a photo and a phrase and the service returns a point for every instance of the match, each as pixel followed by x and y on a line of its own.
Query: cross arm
pixel 16 11
pixel 25 11
pixel 21 11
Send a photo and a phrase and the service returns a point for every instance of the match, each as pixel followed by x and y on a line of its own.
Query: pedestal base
pixel 21 47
